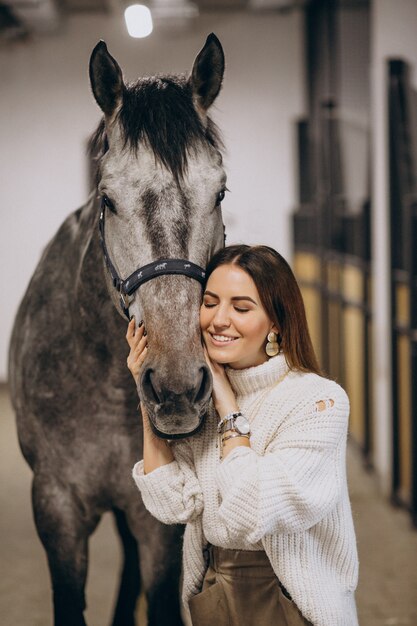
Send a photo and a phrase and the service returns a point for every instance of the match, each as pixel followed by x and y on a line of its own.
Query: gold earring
pixel 272 347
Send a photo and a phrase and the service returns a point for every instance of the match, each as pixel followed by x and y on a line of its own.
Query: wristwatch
pixel 236 422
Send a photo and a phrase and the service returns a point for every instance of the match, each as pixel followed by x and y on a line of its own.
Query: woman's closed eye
pixel 240 309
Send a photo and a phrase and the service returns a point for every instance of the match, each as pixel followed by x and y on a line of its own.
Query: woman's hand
pixel 225 402
pixel 138 342
pixel 223 396
pixel 156 452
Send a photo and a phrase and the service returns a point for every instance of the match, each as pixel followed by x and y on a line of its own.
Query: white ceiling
pixel 20 18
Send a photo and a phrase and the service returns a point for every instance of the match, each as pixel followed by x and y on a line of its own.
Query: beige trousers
pixel 240 588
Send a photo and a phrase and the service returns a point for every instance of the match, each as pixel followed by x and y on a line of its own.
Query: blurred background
pixel 319 115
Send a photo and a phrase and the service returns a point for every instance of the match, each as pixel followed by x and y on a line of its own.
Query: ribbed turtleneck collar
pixel 256 378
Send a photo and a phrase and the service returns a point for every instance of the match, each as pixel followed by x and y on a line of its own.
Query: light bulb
pixel 138 20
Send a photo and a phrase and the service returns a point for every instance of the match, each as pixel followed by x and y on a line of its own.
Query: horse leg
pixel 160 549
pixel 129 590
pixel 63 525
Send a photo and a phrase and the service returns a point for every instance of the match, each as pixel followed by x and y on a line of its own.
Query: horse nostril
pixel 205 385
pixel 148 388
pixel 194 388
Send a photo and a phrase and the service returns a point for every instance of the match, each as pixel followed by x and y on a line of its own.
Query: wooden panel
pixel 370 409
pixel 403 384
pixel 355 350
pixel 402 295
pixel 312 303
pixel 335 335
pixel 333 276
pixel 307 267
pixel 404 417
pixel 334 320
pixel 353 282
pixel 355 371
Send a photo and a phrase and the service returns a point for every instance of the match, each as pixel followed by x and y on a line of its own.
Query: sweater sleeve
pixel 172 492
pixel 298 480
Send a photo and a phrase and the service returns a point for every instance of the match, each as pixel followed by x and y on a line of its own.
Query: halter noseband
pixel 127 287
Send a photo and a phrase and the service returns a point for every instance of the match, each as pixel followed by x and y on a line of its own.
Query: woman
pixel 262 488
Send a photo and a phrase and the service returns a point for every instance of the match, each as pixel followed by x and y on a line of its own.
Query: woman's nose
pixel 221 318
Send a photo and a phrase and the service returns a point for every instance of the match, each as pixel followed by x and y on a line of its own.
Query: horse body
pixel 78 424
pixel 75 401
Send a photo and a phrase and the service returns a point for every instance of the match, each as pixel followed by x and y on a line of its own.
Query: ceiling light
pixel 138 20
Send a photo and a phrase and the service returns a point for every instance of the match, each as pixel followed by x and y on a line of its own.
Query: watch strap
pixel 226 419
pixel 229 423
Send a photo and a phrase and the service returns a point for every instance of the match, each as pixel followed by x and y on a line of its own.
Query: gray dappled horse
pixel 160 184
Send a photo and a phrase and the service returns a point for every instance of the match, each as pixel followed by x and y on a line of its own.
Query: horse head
pixel 161 182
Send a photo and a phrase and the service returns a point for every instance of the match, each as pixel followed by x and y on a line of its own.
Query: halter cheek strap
pixel 129 286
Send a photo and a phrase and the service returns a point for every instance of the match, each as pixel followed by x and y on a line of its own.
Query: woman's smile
pixel 223 340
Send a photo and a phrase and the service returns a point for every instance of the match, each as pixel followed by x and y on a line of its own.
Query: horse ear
pixel 207 73
pixel 106 79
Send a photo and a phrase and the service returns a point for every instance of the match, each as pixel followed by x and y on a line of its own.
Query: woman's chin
pixel 218 358
pixel 220 355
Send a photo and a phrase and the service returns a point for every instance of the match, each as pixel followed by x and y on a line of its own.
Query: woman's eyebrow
pixel 214 295
pixel 243 298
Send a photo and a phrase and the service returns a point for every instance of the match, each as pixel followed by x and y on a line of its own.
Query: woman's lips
pixel 222 340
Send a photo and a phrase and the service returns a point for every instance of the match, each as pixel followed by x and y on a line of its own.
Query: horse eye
pixel 106 202
pixel 220 197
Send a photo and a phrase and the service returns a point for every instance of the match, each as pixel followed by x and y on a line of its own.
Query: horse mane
pixel 159 110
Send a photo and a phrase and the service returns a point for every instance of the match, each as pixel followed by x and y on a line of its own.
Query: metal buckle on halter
pixel 124 300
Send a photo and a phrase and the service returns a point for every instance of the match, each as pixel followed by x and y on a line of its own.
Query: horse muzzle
pixel 176 408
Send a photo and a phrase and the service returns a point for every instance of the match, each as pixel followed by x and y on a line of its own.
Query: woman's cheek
pixel 258 332
pixel 202 318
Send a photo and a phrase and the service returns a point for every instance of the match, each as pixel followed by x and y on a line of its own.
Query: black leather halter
pixel 127 287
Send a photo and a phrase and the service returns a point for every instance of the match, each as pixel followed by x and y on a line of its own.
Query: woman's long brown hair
pixel 280 296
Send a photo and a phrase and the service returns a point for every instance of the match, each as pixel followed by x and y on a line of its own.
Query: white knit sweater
pixel 287 494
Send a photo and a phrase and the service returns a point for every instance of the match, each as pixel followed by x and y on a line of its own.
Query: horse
pixel 154 218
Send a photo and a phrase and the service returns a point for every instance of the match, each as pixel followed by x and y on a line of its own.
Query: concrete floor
pixel 387 593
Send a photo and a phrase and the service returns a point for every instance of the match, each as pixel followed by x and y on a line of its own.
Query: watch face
pixel 242 425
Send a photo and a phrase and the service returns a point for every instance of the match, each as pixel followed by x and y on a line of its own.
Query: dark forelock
pixel 160 111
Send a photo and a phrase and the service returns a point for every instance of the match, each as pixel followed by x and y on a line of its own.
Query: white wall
pixel 47 113
pixel 394 34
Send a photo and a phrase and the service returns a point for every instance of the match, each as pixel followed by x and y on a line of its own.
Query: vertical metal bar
pixel 413 306
pixel 394 121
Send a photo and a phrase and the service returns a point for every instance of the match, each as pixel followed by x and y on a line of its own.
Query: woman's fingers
pixel 137 350
pixel 137 340
pixel 131 328
pixel 133 334
pixel 140 351
pixel 130 333
pixel 137 358
pixel 135 362
pixel 139 344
